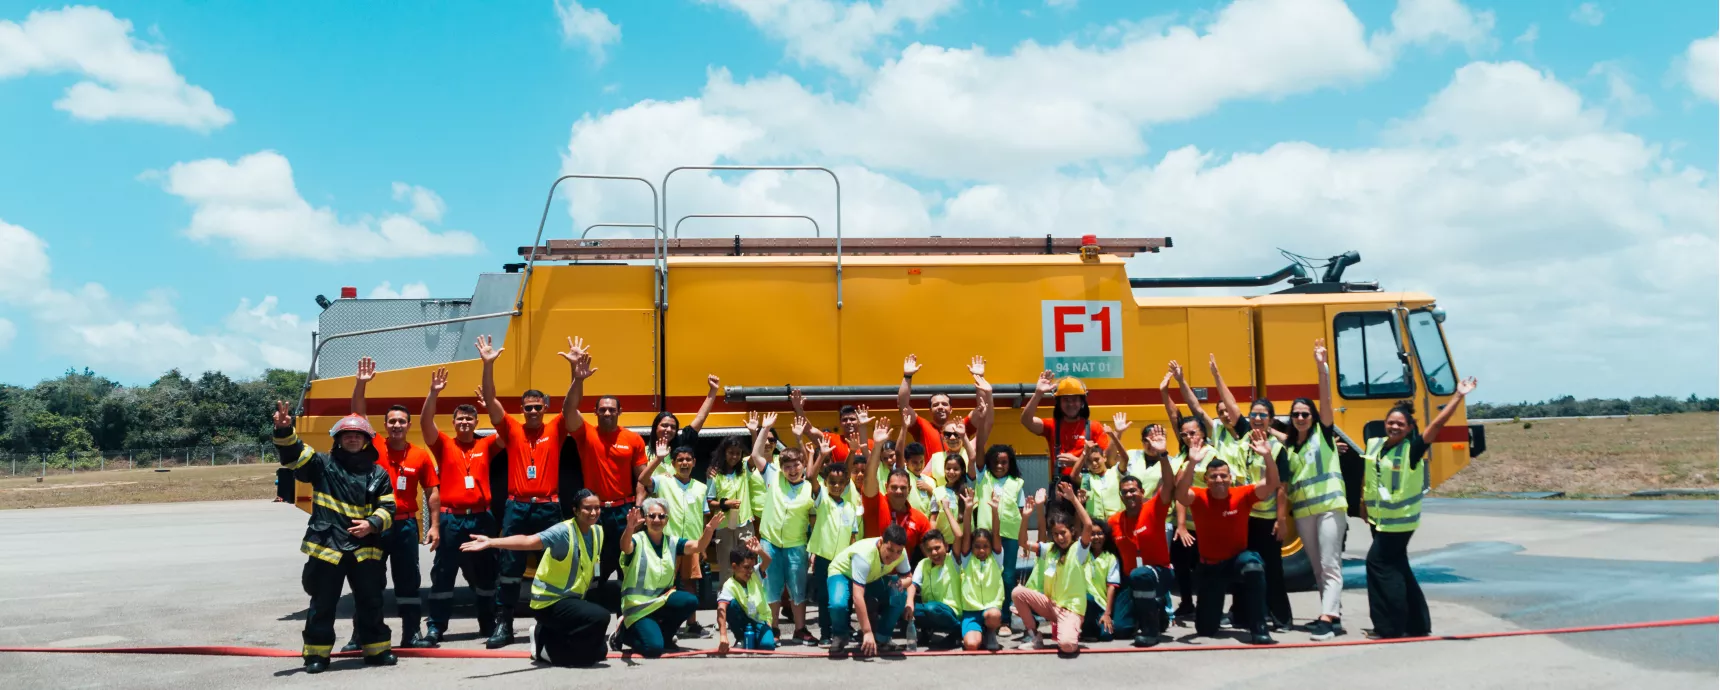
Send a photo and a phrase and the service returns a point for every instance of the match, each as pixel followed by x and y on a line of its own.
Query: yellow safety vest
pixel 1064 583
pixel 749 596
pixel 1103 495
pixel 941 584
pixel 1098 571
pixel 834 530
pixel 786 520
pixel 1316 481
pixel 570 575
pixel 1250 468
pixel 1007 490
pixel 982 584
pixel 867 549
pixel 1393 489
pixel 686 506
pixel 735 487
pixel 648 578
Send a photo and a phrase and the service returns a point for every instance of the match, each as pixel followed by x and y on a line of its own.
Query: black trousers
pixel 571 631
pixel 1185 560
pixel 322 581
pixel 1216 580
pixel 520 517
pixel 1270 549
pixel 1395 601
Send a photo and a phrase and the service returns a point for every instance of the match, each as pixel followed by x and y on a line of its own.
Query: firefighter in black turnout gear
pixel 353 506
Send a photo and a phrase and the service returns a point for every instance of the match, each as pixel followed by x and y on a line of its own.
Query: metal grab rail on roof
pixel 664 250
pixel 594 226
pixel 816 232
pixel 660 263
pixel 319 342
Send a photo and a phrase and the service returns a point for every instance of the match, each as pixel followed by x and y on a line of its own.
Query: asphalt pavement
pixel 227 573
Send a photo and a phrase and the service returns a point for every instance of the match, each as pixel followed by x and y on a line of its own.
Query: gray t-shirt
pixel 559 537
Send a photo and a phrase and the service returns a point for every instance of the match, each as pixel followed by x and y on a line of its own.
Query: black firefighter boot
pixel 504 634
pixel 409 637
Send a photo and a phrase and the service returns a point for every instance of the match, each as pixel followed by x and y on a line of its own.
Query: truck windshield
pixel 1369 363
pixel 1430 349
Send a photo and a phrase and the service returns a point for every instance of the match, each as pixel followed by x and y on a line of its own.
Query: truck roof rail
pixel 621 249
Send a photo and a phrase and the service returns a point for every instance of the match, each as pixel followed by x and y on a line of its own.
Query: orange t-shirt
pixel 1143 537
pixel 608 460
pixel 1222 524
pixel 930 436
pixel 878 516
pixel 1073 432
pixel 534 459
pixel 408 469
pixel 464 471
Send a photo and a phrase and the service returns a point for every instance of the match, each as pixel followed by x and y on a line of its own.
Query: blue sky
pixel 1545 168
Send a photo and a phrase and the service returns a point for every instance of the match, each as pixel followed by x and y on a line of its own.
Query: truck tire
pixel 1298 573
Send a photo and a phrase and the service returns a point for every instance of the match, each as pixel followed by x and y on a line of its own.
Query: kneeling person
pixel 858 580
pixel 1221 516
pixel 741 606
pixel 652 610
pixel 570 624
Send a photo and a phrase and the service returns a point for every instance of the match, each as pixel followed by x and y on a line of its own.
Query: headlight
pixel 1438 315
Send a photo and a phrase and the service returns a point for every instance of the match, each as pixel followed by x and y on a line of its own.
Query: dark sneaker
pixel 433 634
pixel 1320 631
pixel 1144 641
pixel 502 637
pixel 838 647
pixel 696 632
pixel 1260 636
pixel 1338 628
pixel 988 641
pixel 316 664
pixel 386 658
pixel 615 642
pixel 805 637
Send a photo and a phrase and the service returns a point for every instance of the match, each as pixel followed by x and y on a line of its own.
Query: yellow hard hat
pixel 1070 385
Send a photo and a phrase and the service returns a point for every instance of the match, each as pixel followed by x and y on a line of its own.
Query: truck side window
pixel 1430 348
pixel 1367 360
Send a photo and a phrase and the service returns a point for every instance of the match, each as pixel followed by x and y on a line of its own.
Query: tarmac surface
pixel 227 573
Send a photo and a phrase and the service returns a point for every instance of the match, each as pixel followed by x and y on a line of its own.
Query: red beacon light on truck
pixel 349 292
pixel 1089 247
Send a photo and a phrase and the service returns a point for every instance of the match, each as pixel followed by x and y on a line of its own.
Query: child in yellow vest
pixel 741 606
pixel 1057 590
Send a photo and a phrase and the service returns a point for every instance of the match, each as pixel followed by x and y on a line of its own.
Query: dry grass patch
pixel 1595 456
pixel 117 487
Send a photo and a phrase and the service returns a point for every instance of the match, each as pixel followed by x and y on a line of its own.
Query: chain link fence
pixel 51 464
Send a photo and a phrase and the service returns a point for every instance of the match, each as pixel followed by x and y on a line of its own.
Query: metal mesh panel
pixel 412 347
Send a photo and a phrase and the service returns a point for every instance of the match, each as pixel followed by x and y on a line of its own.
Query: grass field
pixel 1595 456
pixel 1576 456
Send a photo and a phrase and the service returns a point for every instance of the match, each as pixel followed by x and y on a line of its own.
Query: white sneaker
pixel 539 653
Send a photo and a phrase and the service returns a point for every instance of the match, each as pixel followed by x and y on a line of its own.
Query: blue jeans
pixel 821 595
pixel 787 569
pixel 1216 580
pixel 1090 620
pixel 936 617
pixel 748 633
pixel 883 601
pixel 1146 611
pixel 519 517
pixel 646 635
pixel 480 569
pixel 400 545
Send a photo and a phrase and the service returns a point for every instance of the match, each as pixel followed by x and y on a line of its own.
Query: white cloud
pixel 253 204
pixel 427 206
pixel 145 337
pixel 1526 40
pixel 836 34
pixel 1588 13
pixel 590 27
pixel 1499 101
pixel 126 78
pixel 407 291
pixel 1623 97
pixel 1434 22
pixel 1702 67
pixel 8 331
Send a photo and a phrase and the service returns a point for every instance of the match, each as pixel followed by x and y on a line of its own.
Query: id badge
pixel 400 483
pixel 471 483
pixel 531 471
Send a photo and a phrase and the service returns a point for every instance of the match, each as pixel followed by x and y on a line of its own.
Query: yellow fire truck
pixel 834 317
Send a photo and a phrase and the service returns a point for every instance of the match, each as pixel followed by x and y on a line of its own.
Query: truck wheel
pixel 1298 573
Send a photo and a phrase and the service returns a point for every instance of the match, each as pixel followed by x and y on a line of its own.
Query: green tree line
pixel 81 412
pixel 1569 406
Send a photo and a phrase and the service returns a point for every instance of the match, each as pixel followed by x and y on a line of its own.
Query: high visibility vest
pixel 919 498
pixel 749 596
pixel 1393 489
pixel 941 584
pixel 1251 469
pixel 1007 490
pixel 649 578
pixel 736 487
pixel 1103 495
pixel 982 584
pixel 570 575
pixel 1098 571
pixel 949 511
pixel 1064 583
pixel 935 466
pixel 1316 482
pixel 686 506
pixel 867 549
pixel 786 520
pixel 834 530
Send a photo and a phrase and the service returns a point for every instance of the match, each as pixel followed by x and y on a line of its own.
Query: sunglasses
pixel 608 410
pixel 950 434
pixel 656 516
pixel 1301 415
pixel 1258 415
pixel 532 408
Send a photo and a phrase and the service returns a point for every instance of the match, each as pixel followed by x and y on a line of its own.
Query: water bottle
pixel 913 635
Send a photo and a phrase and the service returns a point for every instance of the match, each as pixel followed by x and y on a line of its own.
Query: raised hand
pixel 1176 370
pixel 1066 491
pixel 439 380
pixel 486 350
pixel 967 496
pixel 283 417
pixel 752 422
pixel 1212 363
pixel 865 414
pixel 1120 422
pixel 910 365
pixel 825 448
pixel 635 518
pixel 715 383
pixel 1047 382
pixel 754 546
pixel 798 426
pixel 797 399
pixel 1165 382
pixel 881 431
pixel 1466 386
pixel 977 366
pixel 1038 498
pixel 769 420
pixel 1319 350
pixel 366 369
pixel 1156 442
pixel 1257 441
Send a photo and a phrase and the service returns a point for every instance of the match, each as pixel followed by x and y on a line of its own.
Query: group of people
pixel 913 528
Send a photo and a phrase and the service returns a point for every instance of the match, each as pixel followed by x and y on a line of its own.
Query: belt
pixel 614 504
pixel 533 499
pixel 464 511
